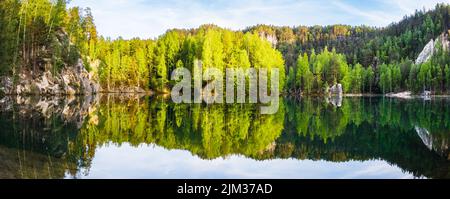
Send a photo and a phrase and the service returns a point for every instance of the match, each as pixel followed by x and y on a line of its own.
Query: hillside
pixel 387 51
pixel 361 44
pixel 44 48
pixel 47 48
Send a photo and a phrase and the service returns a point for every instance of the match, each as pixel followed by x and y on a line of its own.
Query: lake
pixel 128 136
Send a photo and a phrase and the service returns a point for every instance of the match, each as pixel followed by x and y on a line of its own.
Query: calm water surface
pixel 118 136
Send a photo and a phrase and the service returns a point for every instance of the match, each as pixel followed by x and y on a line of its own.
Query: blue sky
pixel 151 18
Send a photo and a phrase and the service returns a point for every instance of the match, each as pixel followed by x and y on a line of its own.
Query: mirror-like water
pixel 117 136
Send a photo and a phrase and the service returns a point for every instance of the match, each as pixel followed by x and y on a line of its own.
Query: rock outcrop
pixel 401 95
pixel 271 38
pixel 430 48
pixel 426 53
pixel 336 90
pixel 69 81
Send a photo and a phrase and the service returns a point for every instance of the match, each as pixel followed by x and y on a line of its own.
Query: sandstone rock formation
pixel 336 90
pixel 271 38
pixel 430 48
pixel 70 81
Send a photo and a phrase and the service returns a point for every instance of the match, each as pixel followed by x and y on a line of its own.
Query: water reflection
pixel 67 137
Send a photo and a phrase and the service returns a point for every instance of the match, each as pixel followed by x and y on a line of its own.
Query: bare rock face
pixel 271 38
pixel 430 48
pixel 46 84
pixel 444 38
pixel 441 147
pixel 6 85
pixel 70 81
pixel 426 53
pixel 336 90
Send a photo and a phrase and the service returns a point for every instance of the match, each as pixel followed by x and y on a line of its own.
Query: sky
pixel 151 18
pixel 152 161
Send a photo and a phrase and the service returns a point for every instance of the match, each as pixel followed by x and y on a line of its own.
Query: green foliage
pixel 357 79
pixel 314 74
pixel 362 44
pixel 424 75
pixel 148 63
pixel 304 77
pixel 33 36
pixel 385 78
pixel 42 33
pixel 8 35
pixel 447 76
pixel 369 79
pixel 395 45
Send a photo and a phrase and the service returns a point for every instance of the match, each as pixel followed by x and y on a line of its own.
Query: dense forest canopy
pixel 44 35
pixel 362 44
pixel 374 55
pixel 150 62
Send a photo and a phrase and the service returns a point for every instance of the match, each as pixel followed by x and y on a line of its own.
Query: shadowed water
pixel 118 136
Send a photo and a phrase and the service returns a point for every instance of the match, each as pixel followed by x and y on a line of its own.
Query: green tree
pixel 9 23
pixel 424 75
pixel 413 82
pixel 370 78
pixel 447 77
pixel 143 67
pixel 385 78
pixel 160 66
pixel 396 77
pixel 302 80
pixel 357 75
pixel 212 52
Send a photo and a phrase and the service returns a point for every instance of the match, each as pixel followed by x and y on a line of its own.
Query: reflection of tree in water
pixel 57 143
pixel 37 134
pixel 208 131
pixel 369 129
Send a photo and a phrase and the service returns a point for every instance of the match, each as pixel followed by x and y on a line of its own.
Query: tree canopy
pixel 44 35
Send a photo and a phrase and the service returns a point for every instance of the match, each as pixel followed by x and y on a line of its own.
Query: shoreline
pixel 152 92
pixel 412 96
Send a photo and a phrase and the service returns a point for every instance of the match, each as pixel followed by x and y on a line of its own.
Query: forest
pixel 380 60
pixel 44 35
pixel 149 63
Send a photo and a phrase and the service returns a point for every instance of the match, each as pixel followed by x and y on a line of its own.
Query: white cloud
pixel 375 16
pixel 409 6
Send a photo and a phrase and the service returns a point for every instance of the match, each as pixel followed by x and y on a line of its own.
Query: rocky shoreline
pixel 69 81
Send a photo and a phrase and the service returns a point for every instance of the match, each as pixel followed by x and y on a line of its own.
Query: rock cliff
pixel 69 81
pixel 430 48
pixel 336 90
pixel 271 38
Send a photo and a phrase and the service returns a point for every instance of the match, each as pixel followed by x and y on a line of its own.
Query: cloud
pixel 152 161
pixel 409 6
pixel 151 18
pixel 374 16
